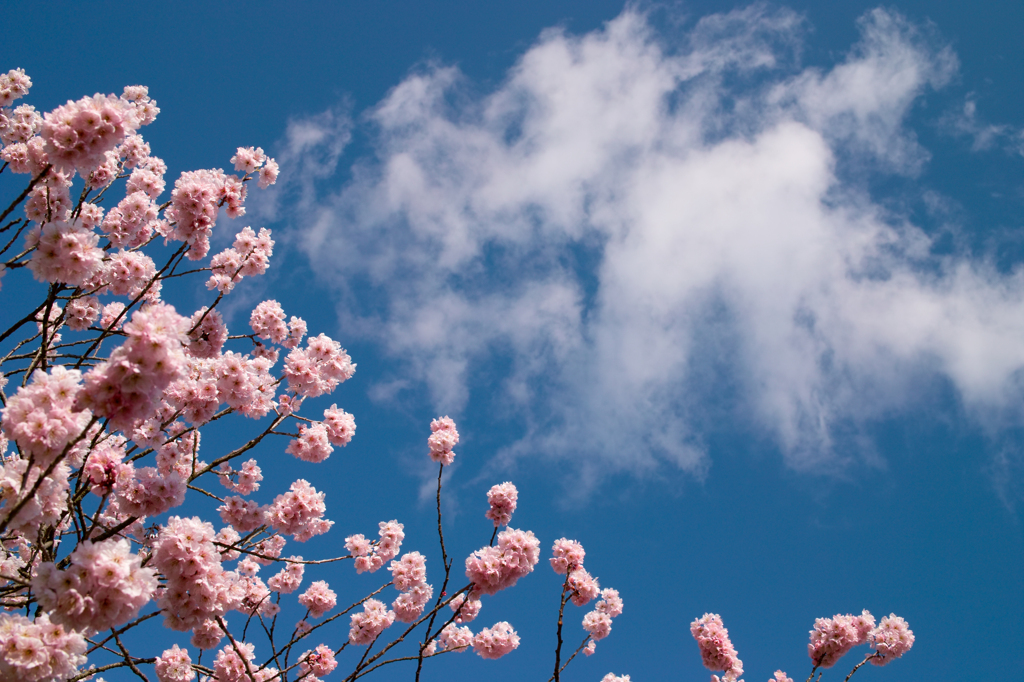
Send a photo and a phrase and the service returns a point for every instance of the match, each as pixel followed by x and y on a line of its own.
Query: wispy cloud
pixel 637 223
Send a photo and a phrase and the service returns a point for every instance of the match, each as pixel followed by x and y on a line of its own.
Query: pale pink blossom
pixel 128 386
pixel 319 598
pixel 590 648
pixel 410 604
pixel 78 134
pixel 38 650
pixel 568 555
pixel 832 637
pixel 716 649
pixel 890 640
pixel 148 493
pixel 455 638
pixel 319 368
pixel 42 417
pixel 299 512
pixel 65 252
pixel 244 481
pixel 598 624
pixel 82 312
pixel 288 579
pixel 442 439
pixel 502 499
pixel 780 676
pixel 207 635
pixel 243 515
pixel 583 586
pixel 208 335
pixel 341 425
pixel 612 677
pixel 312 445
pixel 104 586
pixel 496 641
pixel 174 665
pixel 129 224
pixel 497 567
pixel 384 550
pixel 409 571
pixel 198 588
pixel 319 662
pixel 267 321
pixel 466 611
pixel 367 625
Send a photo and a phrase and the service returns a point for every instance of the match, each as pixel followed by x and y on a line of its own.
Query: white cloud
pixel 641 223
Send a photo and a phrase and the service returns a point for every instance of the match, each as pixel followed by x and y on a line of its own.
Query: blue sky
pixel 735 299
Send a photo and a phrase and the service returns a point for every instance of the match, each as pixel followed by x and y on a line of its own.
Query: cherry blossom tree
pixel 107 391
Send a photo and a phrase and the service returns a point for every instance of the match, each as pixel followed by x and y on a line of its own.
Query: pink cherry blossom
pixel 716 650
pixel 497 567
pixel 832 637
pixel 568 555
pixel 174 665
pixel 502 499
pixel 890 640
pixel 367 625
pixel 319 662
pixel 319 598
pixel 496 641
pixel 442 439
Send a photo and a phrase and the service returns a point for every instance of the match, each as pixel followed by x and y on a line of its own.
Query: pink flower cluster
pixel 104 586
pixel 146 492
pixel 341 425
pixel 13 85
pixel 319 368
pixel 409 575
pixel 368 625
pixel 208 334
pixel 78 134
pixel 38 650
pixel 890 640
pixel 128 387
pixel 194 203
pixel 131 223
pixel 244 481
pixel 312 445
pixel 299 512
pixel 599 621
pixel 267 321
pixel 780 676
pixel 174 665
pixel 198 587
pixel 252 160
pixel 502 499
pixel 288 579
pixel 64 252
pixel 45 507
pixel 832 637
pixel 442 439
pixel 496 641
pixel 612 677
pixel 318 598
pixel 454 638
pixel 716 650
pixel 21 125
pixel 229 666
pixel 319 662
pixel 568 555
pixel 369 556
pixel 41 417
pixel 497 567
pixel 248 256
pixel 466 610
